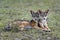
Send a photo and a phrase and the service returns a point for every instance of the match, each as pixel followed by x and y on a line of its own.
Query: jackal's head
pixel 43 17
pixel 35 15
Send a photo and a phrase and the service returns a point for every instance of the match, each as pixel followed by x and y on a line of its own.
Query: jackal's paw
pixel 46 30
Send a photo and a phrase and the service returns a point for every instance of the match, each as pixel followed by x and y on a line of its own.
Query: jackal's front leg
pixel 36 27
pixel 46 27
pixel 41 26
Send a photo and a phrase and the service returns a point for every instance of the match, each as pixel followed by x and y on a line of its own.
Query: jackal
pixel 43 23
pixel 39 20
pixel 21 24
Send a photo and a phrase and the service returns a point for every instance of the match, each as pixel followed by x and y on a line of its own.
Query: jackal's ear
pixel 39 11
pixel 47 11
pixel 31 11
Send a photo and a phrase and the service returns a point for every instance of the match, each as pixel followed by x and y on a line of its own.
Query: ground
pixel 20 9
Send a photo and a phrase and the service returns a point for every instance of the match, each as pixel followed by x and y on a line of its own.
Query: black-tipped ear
pixel 31 11
pixel 47 11
pixel 40 11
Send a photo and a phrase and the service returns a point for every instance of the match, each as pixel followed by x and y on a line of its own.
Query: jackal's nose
pixel 44 18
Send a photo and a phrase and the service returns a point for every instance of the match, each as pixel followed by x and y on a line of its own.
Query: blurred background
pixel 20 9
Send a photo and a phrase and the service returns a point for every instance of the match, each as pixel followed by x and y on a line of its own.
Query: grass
pixel 20 9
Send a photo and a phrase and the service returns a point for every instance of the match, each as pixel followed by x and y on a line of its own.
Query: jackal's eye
pixel 37 15
pixel 34 15
pixel 42 15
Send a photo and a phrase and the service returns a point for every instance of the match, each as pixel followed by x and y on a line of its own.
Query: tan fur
pixel 21 24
